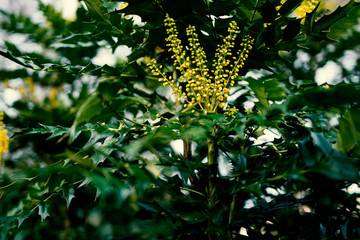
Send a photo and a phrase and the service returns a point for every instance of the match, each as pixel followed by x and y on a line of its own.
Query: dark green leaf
pixel 68 194
pixel 89 109
pixel 96 9
pixel 43 210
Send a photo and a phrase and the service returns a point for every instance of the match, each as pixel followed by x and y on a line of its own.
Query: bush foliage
pixel 266 151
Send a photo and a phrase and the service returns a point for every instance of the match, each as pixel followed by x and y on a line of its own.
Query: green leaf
pixel 68 194
pixel 275 92
pixel 339 167
pixel 341 28
pixel 109 89
pixel 7 220
pixel 349 132
pixel 54 131
pixel 43 210
pixel 13 49
pixel 96 9
pixel 23 217
pixel 265 89
pixel 320 141
pixel 268 12
pixel 320 97
pixel 289 6
pixel 89 109
pixel 260 93
pixel 222 7
pixel 11 57
pixel 326 21
pixel 309 22
pixel 78 159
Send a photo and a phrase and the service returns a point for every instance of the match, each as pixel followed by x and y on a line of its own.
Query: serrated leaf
pixel 339 167
pixel 349 132
pixel 260 93
pixel 7 220
pixel 309 22
pixel 43 210
pixel 147 207
pixel 326 21
pixel 55 131
pixel 78 159
pixel 68 194
pixel 85 182
pixel 222 7
pixel 23 217
pixel 320 141
pixel 96 9
pixel 11 57
pixel 89 109
pixel 13 49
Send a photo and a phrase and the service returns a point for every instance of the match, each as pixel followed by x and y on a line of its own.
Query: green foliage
pixel 95 156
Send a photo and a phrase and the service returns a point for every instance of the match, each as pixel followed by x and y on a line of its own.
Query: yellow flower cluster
pixel 4 140
pixel 231 111
pixel 198 85
pixel 306 6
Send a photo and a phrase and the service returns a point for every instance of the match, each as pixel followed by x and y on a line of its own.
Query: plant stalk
pixel 211 160
pixel 232 206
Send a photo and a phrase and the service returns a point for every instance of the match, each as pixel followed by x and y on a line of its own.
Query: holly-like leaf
pixel 349 133
pixel 320 141
pixel 68 194
pixel 11 57
pixel 43 210
pixel 89 109
pixel 326 21
pixel 23 217
pixel 96 9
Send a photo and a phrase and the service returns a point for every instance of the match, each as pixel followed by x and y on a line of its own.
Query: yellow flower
pixel 231 111
pixel 198 85
pixel 306 6
pixel 4 139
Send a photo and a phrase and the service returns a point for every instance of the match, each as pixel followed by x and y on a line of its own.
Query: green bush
pixel 266 150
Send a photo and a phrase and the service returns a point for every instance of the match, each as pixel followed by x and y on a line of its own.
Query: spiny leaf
pixel 96 9
pixel 89 109
pixel 349 132
pixel 43 210
pixel 320 141
pixel 23 217
pixel 8 55
pixel 260 93
pixel 68 194
pixel 325 22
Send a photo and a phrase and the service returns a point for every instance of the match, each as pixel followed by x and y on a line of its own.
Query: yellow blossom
pixel 231 111
pixel 306 6
pixel 4 139
pixel 201 84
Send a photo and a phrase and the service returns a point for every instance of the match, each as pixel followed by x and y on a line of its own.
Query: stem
pixel 192 190
pixel 211 160
pixel 212 156
pixel 188 157
pixel 232 206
